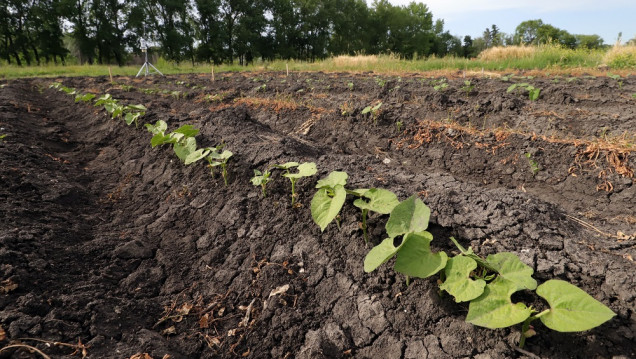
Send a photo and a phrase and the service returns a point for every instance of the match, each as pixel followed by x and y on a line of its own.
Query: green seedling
pixel 380 82
pixel 133 113
pixel 634 95
pixel 261 179
pixel 399 125
pixel 306 169
pixel 55 85
pixel 409 241
pixel 213 157
pixel 84 98
pixel 468 87
pixel 375 200
pixel 534 165
pixel 329 199
pixel 617 78
pixel 350 86
pixel 375 112
pixel 182 139
pixel 220 159
pixel 126 88
pixel 533 92
pixel 68 90
pixel 2 137
pixel 439 85
pixel 487 284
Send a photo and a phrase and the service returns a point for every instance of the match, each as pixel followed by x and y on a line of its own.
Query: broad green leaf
pixel 184 148
pixel 411 215
pixel 223 156
pixel 571 309
pixel 379 200
pixel 324 208
pixel 359 192
pixel 187 130
pixel 159 139
pixel 415 258
pixel 511 268
pixel 304 170
pixel 159 127
pixel 381 253
pixel 129 118
pixel 534 94
pixel 136 108
pixel 260 177
pixel 117 111
pixel 458 282
pixel 334 179
pixel 197 155
pixel 287 165
pixel 511 88
pixel 494 309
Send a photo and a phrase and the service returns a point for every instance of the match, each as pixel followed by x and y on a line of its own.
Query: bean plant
pixel 487 284
pixel 375 112
pixel 533 92
pixel 261 179
pixel 182 139
pixel 306 169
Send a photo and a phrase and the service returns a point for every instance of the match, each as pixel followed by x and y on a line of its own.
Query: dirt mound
pixel 117 249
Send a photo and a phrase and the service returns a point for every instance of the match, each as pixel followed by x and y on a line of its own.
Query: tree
pixel 589 41
pixel 527 32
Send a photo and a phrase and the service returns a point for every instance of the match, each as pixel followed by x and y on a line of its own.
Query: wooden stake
pixel 212 71
pixel 287 67
pixel 110 73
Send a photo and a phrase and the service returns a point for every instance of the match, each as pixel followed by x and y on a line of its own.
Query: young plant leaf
pixel 458 282
pixel 511 268
pixel 286 166
pixel 381 253
pixel 187 131
pixel 160 139
pixel 379 200
pixel 415 258
pixel 571 309
pixel 334 179
pixel 197 155
pixel 304 170
pixel 159 127
pixel 184 148
pixel 140 108
pixel 326 204
pixel 359 192
pixel 411 215
pixel 494 308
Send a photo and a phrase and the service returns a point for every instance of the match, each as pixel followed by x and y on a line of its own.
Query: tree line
pixel 225 31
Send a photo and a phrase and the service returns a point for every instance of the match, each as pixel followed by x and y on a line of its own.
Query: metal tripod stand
pixel 147 65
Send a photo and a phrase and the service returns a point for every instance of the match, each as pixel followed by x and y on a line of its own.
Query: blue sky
pixel 471 17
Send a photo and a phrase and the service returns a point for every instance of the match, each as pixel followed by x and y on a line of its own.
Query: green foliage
pixel 84 98
pixel 133 113
pixel 439 85
pixel 376 200
pixel 212 155
pixel 329 199
pixel 261 179
pixel 375 111
pixel 618 79
pixel 468 87
pixel 488 285
pixel 182 139
pixel 534 165
pixel 533 92
pixel 306 169
pixel 571 309
pixel 2 137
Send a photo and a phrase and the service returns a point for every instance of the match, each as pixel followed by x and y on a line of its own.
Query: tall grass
pixel 544 57
pixel 621 56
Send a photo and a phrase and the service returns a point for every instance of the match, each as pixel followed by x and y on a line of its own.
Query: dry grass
pixel 355 61
pixel 621 56
pixel 500 53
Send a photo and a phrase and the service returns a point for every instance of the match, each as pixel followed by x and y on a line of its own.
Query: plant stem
pixel 408 280
pixel 526 326
pixel 293 191
pixel 263 189
pixel 224 173
pixel 364 225
pixel 469 253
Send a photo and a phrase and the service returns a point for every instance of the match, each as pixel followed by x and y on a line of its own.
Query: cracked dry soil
pixel 107 242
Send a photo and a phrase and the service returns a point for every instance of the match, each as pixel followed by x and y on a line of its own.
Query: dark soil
pixel 117 249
